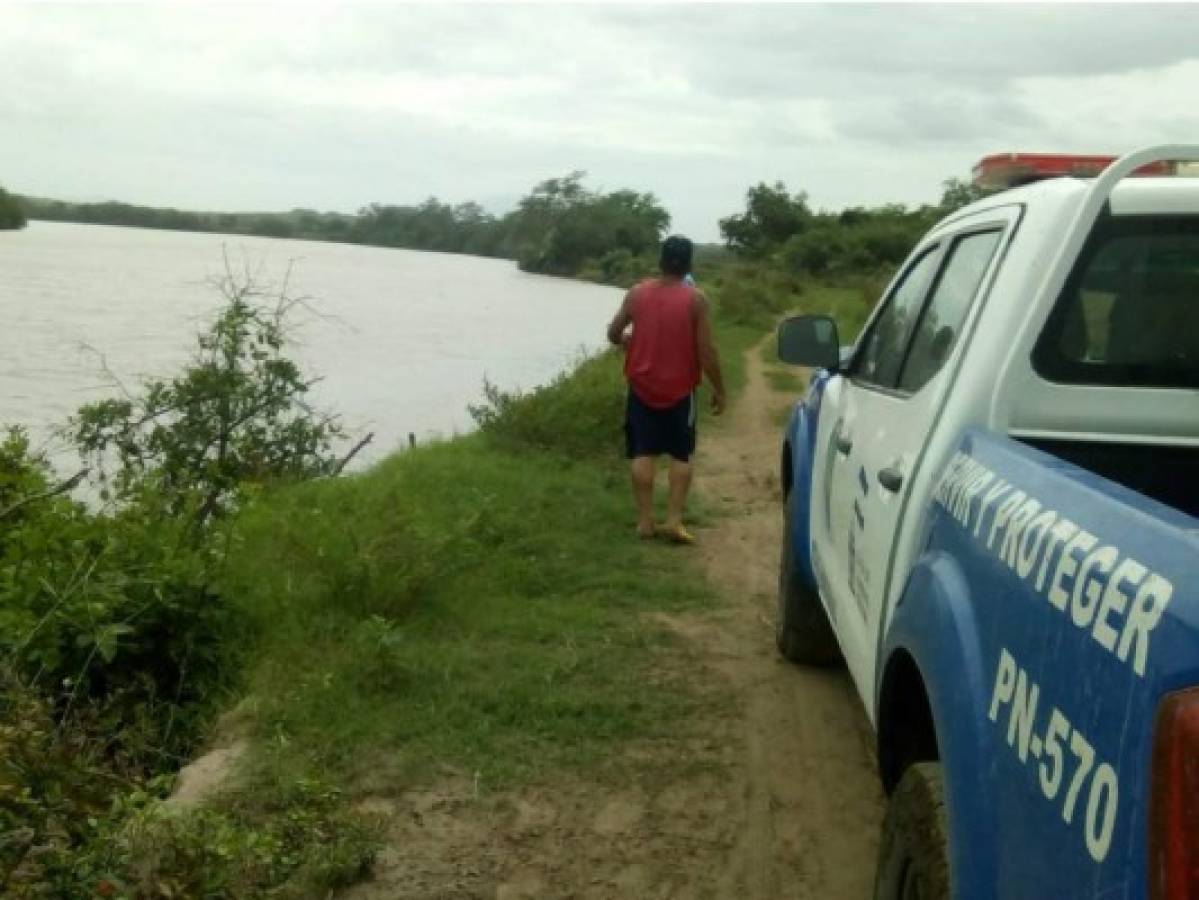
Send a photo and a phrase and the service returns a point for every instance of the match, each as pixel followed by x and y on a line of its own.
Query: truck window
pixel 880 354
pixel 1129 312
pixel 941 322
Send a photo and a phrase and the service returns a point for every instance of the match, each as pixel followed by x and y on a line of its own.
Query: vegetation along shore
pixel 475 607
pixel 561 227
pixel 12 211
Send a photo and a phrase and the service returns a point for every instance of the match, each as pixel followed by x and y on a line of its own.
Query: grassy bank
pixel 476 604
pixel 462 606
pixel 473 609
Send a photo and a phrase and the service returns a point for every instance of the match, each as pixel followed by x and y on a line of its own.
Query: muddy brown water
pixel 402 340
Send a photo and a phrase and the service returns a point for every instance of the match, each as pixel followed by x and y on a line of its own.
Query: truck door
pixel 889 403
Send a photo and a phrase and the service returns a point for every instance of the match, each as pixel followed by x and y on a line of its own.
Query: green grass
pixel 849 304
pixel 769 352
pixel 475 605
pixel 475 608
pixel 787 381
pixel 781 416
pixel 460 606
pixel 732 343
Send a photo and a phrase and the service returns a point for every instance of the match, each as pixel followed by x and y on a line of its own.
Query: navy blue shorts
pixel 652 432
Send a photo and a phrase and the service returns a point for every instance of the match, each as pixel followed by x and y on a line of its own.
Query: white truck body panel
pixel 1044 226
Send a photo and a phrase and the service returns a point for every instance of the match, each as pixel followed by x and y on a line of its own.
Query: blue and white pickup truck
pixel 990 516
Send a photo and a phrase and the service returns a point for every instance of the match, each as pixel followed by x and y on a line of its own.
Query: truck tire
pixel 913 856
pixel 802 630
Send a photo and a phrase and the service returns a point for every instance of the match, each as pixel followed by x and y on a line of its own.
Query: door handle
pixel 842 442
pixel 891 478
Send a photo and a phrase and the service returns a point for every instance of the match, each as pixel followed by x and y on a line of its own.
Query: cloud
pixel 275 106
pixel 937 115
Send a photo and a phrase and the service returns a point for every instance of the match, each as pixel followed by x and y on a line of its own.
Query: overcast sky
pixel 271 107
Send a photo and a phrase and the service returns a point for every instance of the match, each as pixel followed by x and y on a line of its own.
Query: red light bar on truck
pixel 1005 170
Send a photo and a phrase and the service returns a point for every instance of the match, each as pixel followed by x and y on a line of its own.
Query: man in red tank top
pixel 668 349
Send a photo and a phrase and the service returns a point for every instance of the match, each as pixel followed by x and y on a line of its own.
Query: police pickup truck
pixel 990 516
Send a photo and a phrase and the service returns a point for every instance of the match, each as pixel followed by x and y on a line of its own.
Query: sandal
pixel 677 535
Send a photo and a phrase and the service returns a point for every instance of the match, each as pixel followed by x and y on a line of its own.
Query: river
pixel 402 339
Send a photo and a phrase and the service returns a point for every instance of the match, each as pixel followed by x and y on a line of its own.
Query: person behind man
pixel 670 345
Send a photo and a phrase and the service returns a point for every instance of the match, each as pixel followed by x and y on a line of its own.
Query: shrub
pixel 753 295
pixel 353 547
pixel 816 251
pixel 107 616
pixel 235 415
pixel 578 414
pixel 620 267
pixel 12 214
pixel 48 787
pixel 301 842
pixel 850 301
pixel 114 640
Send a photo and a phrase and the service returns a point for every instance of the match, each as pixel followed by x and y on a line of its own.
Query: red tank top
pixel 662 365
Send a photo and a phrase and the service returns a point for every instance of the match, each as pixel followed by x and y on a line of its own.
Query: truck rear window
pixel 1129 313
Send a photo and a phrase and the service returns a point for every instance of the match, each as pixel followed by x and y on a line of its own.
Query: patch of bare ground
pixel 214 768
pixel 771 794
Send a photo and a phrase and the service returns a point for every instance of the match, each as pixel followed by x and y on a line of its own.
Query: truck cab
pixel 989 516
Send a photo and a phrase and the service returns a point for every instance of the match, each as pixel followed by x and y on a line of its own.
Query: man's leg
pixel 680 483
pixel 643 493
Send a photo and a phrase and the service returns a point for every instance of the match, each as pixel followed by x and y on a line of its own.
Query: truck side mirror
pixel 810 341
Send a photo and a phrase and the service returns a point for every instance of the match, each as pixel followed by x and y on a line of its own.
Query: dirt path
pixel 810 799
pixel 776 799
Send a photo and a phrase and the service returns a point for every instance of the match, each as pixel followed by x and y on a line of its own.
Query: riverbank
pixel 559 228
pixel 763 787
pixel 476 611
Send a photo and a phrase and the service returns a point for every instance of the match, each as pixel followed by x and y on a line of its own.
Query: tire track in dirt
pixel 773 795
pixel 812 801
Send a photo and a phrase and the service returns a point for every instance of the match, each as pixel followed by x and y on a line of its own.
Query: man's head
pixel 676 256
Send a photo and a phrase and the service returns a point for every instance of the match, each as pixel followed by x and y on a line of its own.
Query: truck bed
pixel 1168 474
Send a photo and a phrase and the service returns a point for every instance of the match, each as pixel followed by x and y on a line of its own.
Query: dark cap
pixel 676 256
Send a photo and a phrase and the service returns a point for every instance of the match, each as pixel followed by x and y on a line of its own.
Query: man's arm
pixel 709 358
pixel 623 319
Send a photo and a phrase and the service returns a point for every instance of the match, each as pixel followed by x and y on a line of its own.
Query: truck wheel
pixel 913 858
pixel 802 630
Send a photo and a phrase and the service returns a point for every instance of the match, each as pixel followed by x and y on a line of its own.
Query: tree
pixel 956 193
pixel 268 225
pixel 600 224
pixel 537 213
pixel 818 250
pixel 771 216
pixel 12 215
pixel 561 228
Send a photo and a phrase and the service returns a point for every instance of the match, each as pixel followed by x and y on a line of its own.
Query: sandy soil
pixel 776 798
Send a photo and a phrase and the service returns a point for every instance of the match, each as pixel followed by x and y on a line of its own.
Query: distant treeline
pixel 562 228
pixel 11 213
pixel 559 228
pixel 780 229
